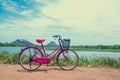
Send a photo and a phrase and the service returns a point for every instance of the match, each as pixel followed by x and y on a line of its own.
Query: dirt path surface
pixel 15 72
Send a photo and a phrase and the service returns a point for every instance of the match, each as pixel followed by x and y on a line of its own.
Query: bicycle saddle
pixel 40 40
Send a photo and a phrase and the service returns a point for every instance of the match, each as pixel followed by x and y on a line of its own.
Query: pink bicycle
pixel 32 57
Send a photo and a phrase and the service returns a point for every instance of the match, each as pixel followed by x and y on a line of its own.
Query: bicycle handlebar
pixel 57 36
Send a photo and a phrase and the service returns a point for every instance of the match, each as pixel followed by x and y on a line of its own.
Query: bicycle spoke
pixel 26 58
pixel 29 52
pixel 65 54
pixel 67 60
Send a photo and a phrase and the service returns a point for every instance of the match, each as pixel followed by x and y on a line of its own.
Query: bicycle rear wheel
pixel 25 58
pixel 67 60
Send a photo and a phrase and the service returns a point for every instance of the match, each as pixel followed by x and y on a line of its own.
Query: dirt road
pixel 15 72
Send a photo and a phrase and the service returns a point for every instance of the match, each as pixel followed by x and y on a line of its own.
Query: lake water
pixel 80 53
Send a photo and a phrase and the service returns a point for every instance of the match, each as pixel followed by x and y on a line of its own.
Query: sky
pixel 85 22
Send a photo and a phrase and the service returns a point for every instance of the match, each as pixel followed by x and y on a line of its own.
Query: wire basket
pixel 66 43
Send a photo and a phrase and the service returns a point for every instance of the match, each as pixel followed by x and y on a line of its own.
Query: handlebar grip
pixel 54 36
pixel 57 36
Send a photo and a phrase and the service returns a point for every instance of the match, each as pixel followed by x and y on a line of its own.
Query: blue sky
pixel 86 22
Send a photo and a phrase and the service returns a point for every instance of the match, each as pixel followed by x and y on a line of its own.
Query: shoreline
pixel 75 49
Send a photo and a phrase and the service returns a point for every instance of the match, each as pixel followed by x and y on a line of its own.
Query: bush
pixel 9 58
pixel 13 58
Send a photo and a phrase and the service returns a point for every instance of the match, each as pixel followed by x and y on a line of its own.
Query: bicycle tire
pixel 70 63
pixel 24 58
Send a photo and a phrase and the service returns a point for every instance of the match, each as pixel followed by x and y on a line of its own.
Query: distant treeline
pixel 108 48
pixel 113 48
pixel 6 44
pixel 98 46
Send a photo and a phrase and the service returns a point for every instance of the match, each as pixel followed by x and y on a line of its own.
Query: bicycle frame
pixel 54 53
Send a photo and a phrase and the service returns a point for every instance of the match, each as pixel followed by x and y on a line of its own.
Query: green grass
pixel 94 61
pixel 99 61
pixel 9 58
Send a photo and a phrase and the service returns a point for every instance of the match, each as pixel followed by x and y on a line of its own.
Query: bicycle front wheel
pixel 67 60
pixel 25 58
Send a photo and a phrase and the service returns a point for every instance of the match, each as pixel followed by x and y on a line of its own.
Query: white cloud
pixel 9 5
pixel 84 15
pixel 95 19
pixel 34 25
pixel 88 20
pixel 26 29
pixel 26 12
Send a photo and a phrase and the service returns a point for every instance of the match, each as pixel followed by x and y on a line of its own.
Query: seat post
pixel 42 45
pixel 43 49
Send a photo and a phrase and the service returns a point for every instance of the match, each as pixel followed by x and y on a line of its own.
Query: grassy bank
pixel 99 61
pixel 94 61
pixel 9 58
